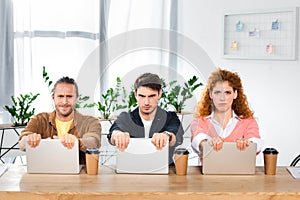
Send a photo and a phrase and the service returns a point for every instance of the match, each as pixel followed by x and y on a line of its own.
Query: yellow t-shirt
pixel 62 127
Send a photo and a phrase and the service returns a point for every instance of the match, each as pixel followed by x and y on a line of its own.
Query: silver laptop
pixel 229 160
pixel 51 157
pixel 141 157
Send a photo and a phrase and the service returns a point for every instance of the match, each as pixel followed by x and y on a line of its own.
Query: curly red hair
pixel 239 105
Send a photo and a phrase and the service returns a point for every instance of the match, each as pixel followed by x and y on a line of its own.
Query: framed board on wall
pixel 265 35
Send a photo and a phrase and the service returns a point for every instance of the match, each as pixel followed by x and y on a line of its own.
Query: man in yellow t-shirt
pixel 65 122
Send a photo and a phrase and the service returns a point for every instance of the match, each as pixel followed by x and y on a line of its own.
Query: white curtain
pixel 95 42
pixel 56 34
pixel 137 35
pixel 143 36
pixel 6 58
pixel 23 47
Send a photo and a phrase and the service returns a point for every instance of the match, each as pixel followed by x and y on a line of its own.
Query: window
pixel 56 34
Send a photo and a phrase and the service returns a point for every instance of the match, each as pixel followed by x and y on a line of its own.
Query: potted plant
pixel 113 100
pixel 176 95
pixel 20 110
pixel 131 100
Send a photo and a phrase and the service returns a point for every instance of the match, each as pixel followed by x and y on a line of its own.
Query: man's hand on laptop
pixel 160 140
pixel 120 139
pixel 34 139
pixel 67 140
pixel 242 143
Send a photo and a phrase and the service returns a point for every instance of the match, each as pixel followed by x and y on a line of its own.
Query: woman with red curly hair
pixel 223 114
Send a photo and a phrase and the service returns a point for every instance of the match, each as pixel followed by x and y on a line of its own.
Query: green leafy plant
pixel 131 102
pixel 176 95
pixel 111 99
pixel 81 103
pixel 20 110
pixel 47 80
pixel 166 88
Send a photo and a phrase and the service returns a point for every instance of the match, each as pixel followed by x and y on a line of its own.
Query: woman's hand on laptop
pixel 34 139
pixel 216 143
pixel 120 139
pixel 242 143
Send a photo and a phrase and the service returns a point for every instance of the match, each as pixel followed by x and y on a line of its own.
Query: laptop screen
pixel 53 158
pixel 229 160
pixel 142 157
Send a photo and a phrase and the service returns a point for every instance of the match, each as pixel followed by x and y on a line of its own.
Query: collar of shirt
pixel 223 133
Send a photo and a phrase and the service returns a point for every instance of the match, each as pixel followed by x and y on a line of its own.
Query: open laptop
pixel 229 160
pixel 51 157
pixel 141 157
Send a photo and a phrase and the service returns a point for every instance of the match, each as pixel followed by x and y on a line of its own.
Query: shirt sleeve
pixel 93 132
pixel 35 125
pixel 197 140
pixel 174 126
pixel 199 129
pixel 252 133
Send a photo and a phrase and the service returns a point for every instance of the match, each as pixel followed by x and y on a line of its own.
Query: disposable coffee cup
pixel 181 161
pixel 92 160
pixel 270 161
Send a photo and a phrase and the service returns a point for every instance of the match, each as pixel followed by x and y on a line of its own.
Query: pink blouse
pixel 245 128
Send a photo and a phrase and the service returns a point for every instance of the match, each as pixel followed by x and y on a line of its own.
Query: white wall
pixel 271 86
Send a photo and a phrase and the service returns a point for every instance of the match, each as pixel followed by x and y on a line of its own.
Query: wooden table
pixel 17 184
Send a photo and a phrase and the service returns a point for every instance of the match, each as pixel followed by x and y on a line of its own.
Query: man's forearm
pixel 88 142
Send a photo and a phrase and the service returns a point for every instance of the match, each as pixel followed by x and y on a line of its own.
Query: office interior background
pixel 96 41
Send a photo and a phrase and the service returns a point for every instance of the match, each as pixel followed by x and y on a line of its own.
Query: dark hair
pixel 67 80
pixel 148 80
